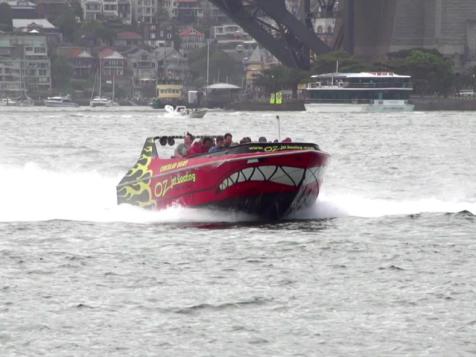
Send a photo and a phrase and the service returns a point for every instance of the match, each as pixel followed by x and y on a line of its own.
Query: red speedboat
pixel 269 180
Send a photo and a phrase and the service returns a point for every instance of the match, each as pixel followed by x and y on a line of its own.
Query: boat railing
pixel 350 85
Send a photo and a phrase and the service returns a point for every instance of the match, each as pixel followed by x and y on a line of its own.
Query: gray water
pixel 382 265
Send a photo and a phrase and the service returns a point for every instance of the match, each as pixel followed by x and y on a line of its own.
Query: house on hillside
pixel 259 60
pixel 111 63
pixel 127 39
pixel 144 66
pixel 81 61
pixel 191 39
pixel 41 26
pixel 172 64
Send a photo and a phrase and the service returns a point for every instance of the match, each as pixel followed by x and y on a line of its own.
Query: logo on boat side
pixel 174 165
pixel 164 186
pixel 274 148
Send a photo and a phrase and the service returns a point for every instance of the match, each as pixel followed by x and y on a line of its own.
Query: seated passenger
pixel 182 149
pixel 287 140
pixel 220 144
pixel 262 139
pixel 228 140
pixel 202 146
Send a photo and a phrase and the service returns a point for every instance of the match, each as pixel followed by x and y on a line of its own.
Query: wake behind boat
pixel 269 180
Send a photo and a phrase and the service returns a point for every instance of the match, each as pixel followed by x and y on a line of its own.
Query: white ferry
pixel 359 92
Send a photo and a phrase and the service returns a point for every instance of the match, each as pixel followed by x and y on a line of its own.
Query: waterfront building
pixel 191 39
pixel 127 39
pixel 111 63
pixel 145 11
pixel 92 9
pixel 172 64
pixel 80 60
pixel 124 9
pixel 42 26
pixel 110 8
pixel 24 65
pixel 187 11
pixel 231 37
pixel 143 66
pixel 260 60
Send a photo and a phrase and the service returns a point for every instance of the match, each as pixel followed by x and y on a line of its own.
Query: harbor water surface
pixel 384 264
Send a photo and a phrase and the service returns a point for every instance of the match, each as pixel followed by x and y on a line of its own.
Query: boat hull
pixel 269 185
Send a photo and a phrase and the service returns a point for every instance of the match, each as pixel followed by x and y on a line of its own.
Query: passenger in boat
pixel 202 146
pixel 245 140
pixel 287 140
pixel 220 144
pixel 262 139
pixel 228 140
pixel 182 149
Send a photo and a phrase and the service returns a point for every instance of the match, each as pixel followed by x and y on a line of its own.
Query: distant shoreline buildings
pixel 143 42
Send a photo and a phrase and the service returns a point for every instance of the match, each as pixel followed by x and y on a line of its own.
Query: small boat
pixel 60 101
pixel 7 101
pixel 269 180
pixel 182 110
pixel 197 113
pixel 179 110
pixel 101 102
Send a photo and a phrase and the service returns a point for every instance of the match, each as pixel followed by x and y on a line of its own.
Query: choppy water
pixel 383 265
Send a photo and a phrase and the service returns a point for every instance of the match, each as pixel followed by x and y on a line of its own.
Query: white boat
pixel 182 110
pixel 7 101
pixel 197 113
pixel 358 92
pixel 60 101
pixel 390 105
pixel 101 102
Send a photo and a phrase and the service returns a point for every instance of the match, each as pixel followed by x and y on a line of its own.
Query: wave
pixel 32 193
pixel 335 205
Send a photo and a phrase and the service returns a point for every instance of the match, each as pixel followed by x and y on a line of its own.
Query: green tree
pixel 66 23
pixel 6 17
pixel 98 31
pixel 281 77
pixel 327 63
pixel 431 72
pixel 61 72
pixel 222 67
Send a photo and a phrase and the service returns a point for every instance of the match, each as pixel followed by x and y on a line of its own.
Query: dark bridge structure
pixel 367 28
pixel 288 38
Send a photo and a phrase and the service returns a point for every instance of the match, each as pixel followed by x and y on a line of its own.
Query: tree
pixel 61 72
pixel 431 72
pixel 66 23
pixel 96 30
pixel 6 23
pixel 281 77
pixel 222 67
pixel 327 63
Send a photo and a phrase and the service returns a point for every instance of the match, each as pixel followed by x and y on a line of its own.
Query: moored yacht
pixel 101 102
pixel 60 101
pixel 359 92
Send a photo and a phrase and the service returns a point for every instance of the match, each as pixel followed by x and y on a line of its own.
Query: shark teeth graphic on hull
pixel 285 175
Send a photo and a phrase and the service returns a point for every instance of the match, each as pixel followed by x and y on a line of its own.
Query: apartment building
pixel 25 67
